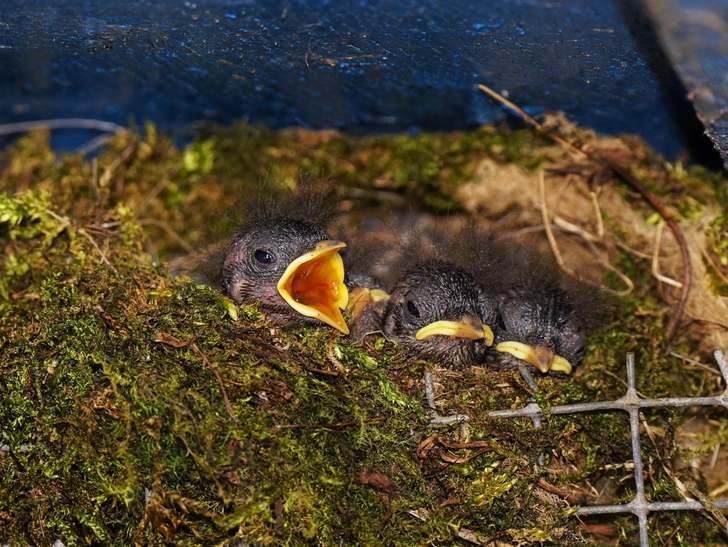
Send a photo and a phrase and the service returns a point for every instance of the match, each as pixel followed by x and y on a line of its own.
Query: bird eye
pixel 501 323
pixel 412 309
pixel 264 257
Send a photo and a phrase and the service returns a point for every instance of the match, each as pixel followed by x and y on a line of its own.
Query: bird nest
pixel 136 407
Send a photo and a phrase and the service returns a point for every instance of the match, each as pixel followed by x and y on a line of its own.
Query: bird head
pixel 292 267
pixel 436 311
pixel 538 324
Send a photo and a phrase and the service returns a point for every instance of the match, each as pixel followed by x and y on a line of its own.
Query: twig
pixel 547 224
pixel 589 239
pixel 604 262
pixel 646 194
pixel 597 214
pixel 620 380
pixel 95 178
pixel 93 144
pixel 331 373
pixel 330 426
pixel 630 250
pixel 66 223
pixel 161 185
pixel 213 369
pixel 694 362
pixel 169 340
pixel 656 259
pixel 561 492
pixel 234 383
pixel 714 457
pixel 109 171
pixel 167 228
pixel 84 233
pixel 61 123
pixel 567 226
pixel 102 253
pixel 709 259
pixel 533 121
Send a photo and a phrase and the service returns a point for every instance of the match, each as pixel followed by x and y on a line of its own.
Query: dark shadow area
pixel 692 132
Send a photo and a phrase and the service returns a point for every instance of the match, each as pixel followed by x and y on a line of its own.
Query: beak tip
pixel 542 358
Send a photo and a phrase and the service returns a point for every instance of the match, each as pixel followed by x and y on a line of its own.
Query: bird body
pixel 449 298
pixel 455 296
pixel 434 309
pixel 283 259
pixel 543 314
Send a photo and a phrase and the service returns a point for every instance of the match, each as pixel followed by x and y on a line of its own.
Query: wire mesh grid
pixel 631 403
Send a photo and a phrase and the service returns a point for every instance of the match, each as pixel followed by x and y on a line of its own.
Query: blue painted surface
pixel 350 64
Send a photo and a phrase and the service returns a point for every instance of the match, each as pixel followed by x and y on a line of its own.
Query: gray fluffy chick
pixel 435 309
pixel 283 258
pixel 543 315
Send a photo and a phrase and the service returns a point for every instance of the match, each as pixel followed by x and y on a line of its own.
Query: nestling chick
pixel 435 309
pixel 542 318
pixel 284 259
pixel 288 266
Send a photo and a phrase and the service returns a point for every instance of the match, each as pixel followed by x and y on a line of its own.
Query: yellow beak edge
pixel 313 285
pixel 361 297
pixel 469 327
pixel 541 357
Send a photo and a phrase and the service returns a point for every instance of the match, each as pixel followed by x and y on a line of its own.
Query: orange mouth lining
pixel 313 285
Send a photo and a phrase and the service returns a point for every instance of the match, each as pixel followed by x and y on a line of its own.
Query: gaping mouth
pixel 541 357
pixel 469 327
pixel 313 285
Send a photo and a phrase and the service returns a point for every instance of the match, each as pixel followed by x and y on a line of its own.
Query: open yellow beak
pixel 469 327
pixel 541 357
pixel 361 297
pixel 313 285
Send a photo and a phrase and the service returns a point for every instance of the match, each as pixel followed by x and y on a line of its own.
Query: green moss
pixel 143 409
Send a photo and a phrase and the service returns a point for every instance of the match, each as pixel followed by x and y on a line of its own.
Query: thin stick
pixel 630 250
pixel 213 369
pixel 66 223
pixel 656 259
pixel 61 123
pixel 547 224
pixel 167 228
pixel 106 176
pixel 164 181
pixel 695 363
pixel 566 226
pixel 331 373
pixel 648 196
pixel 533 121
pixel 93 144
pixel 597 213
pixel 102 253
pixel 330 426
pixel 589 239
pixel 710 261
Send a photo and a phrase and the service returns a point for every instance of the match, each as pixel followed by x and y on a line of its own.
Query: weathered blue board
pixel 349 64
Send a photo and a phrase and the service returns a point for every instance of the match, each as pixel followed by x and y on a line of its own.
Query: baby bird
pixel 542 318
pixel 284 259
pixel 435 309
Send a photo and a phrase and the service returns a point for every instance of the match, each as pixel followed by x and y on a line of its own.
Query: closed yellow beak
pixel 469 327
pixel 313 285
pixel 541 357
pixel 361 297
